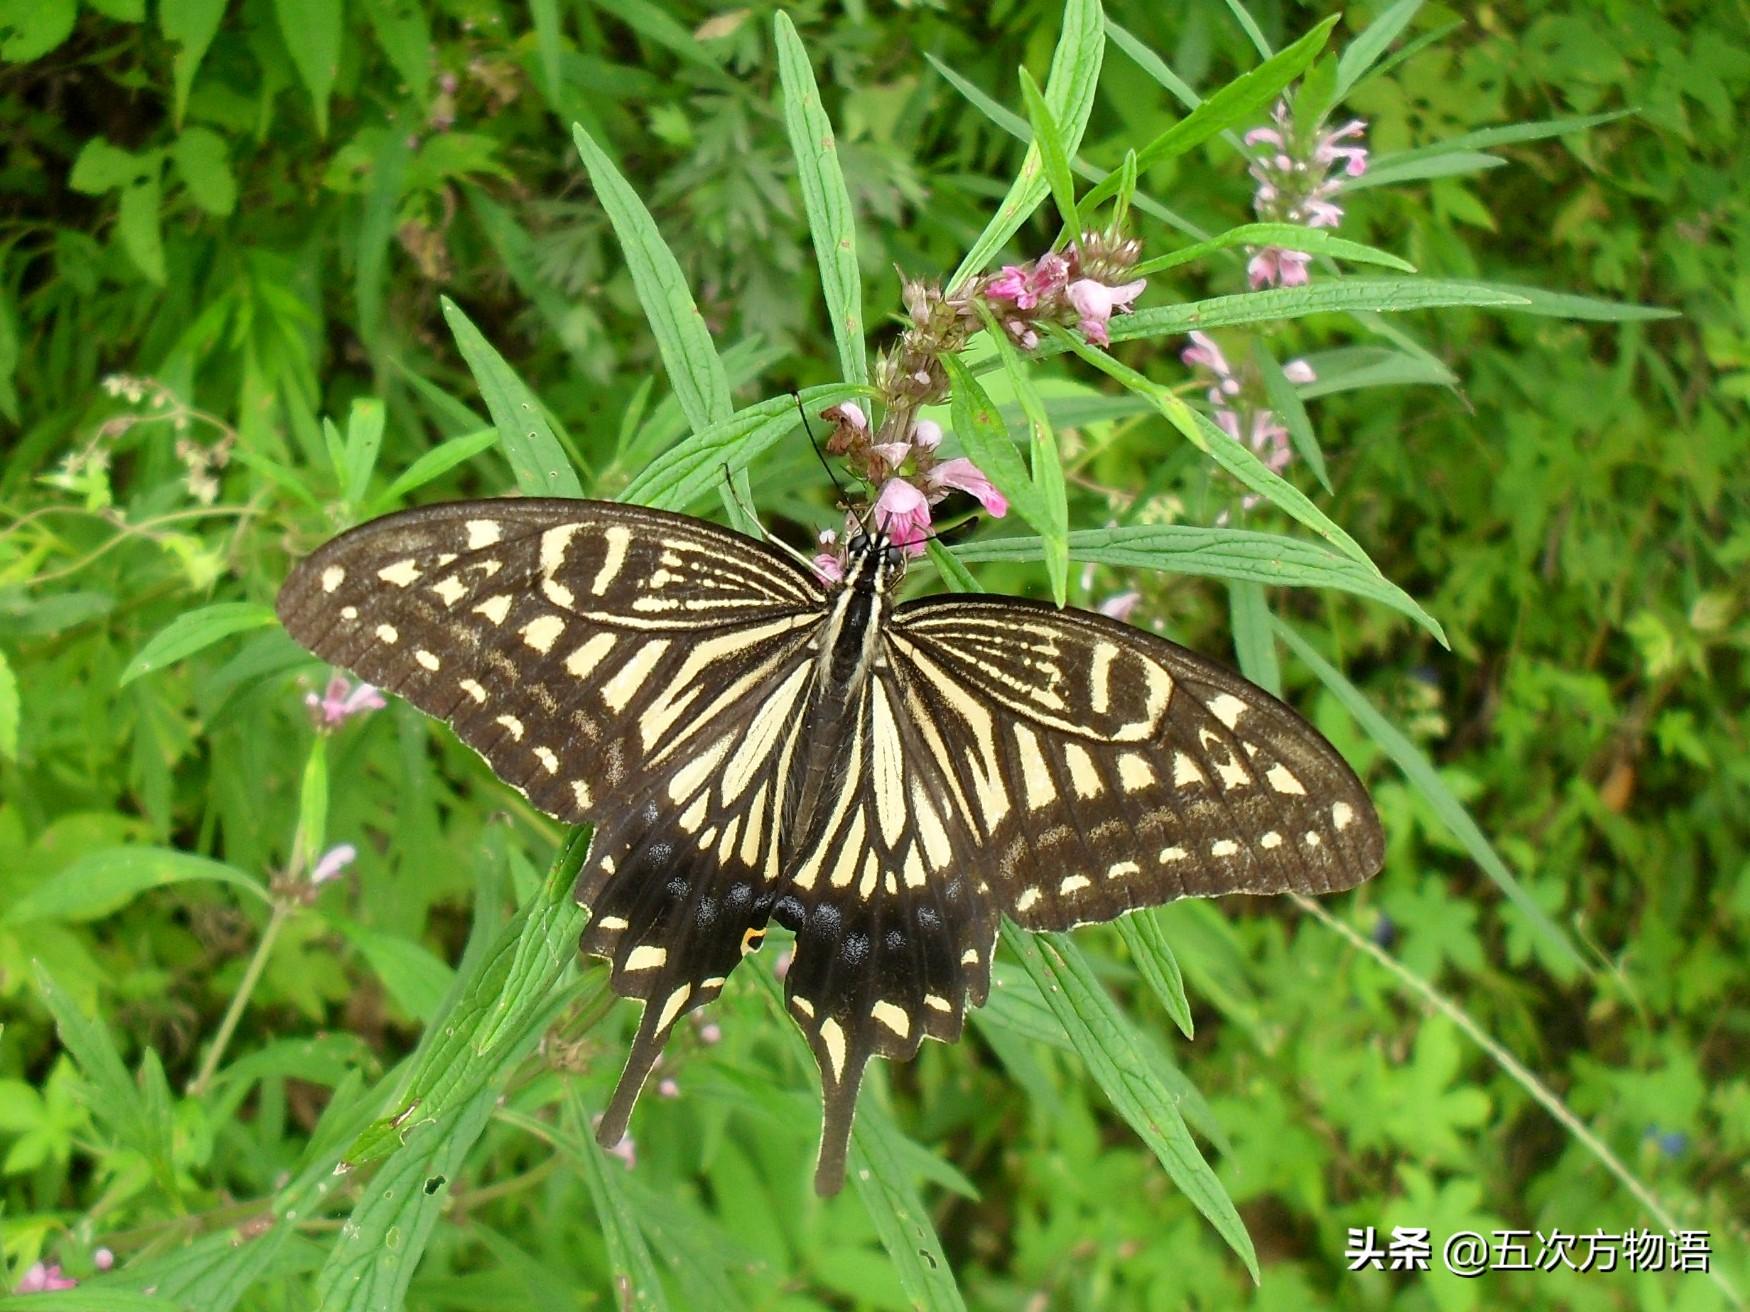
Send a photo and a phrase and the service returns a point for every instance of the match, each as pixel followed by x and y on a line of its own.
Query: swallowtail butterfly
pixel 884 780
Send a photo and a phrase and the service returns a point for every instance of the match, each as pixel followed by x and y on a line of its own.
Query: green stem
pixel 251 977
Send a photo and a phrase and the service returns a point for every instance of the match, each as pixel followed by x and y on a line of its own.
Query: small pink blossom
pixel 1205 352
pixel 848 413
pixel 710 1032
pixel 903 513
pixel 962 475
pixel 42 1279
pixel 1096 303
pixel 333 864
pixel 1299 371
pixel 1026 287
pixel 1120 606
pixel 926 435
pixel 1274 266
pixel 667 1088
pixel 826 564
pixel 781 967
pixel 341 701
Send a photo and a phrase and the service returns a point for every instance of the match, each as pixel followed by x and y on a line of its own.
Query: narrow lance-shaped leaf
pixel 1286 402
pixel 831 221
pixel 1423 776
pixel 1052 154
pixel 694 369
pixel 1235 457
pixel 1069 92
pixel 198 629
pixel 538 462
pixel 1316 241
pixel 1390 295
pixel 1045 460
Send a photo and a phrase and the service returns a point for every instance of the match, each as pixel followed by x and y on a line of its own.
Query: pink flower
pixel 826 564
pixel 1027 286
pixel 1120 606
pixel 42 1279
pixel 926 435
pixel 781 967
pixel 1299 371
pixel 333 864
pixel 903 513
pixel 667 1088
pixel 892 454
pixel 848 413
pixel 710 1032
pixel 341 701
pixel 1354 157
pixel 1095 302
pixel 1204 351
pixel 1274 266
pixel 962 475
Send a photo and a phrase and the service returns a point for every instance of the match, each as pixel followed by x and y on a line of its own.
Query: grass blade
pixel 1317 241
pixel 1388 295
pixel 1142 933
pixel 1052 153
pixel 1365 50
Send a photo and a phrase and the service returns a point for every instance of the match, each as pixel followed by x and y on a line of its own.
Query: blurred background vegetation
pixel 256 206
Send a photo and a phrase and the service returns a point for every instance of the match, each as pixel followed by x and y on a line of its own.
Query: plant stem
pixel 251 977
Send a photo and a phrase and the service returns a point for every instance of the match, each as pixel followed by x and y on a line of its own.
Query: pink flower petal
pixel 962 475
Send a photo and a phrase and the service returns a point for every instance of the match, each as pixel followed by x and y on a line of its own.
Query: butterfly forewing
pixel 1109 769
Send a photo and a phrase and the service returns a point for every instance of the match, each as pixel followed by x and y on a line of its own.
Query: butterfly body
pixel 886 781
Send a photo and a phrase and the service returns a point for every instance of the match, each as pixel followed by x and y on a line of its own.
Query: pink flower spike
pixel 903 513
pixel 333 864
pixel 1299 371
pixel 1120 606
pixel 964 476
pixel 926 434
pixel 1095 302
pixel 340 701
pixel 1012 284
pixel 1266 136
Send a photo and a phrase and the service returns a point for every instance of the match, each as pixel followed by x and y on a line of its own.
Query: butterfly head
pixel 873 562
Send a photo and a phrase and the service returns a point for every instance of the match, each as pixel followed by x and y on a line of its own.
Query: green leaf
pixel 194 631
pixel 1235 457
pixel 694 369
pixel 1146 938
pixel 374 1257
pixel 1390 295
pixel 102 167
pixel 1568 305
pixel 879 1172
pixel 203 162
pixel 312 30
pixel 1245 98
pixel 1317 241
pixel 434 464
pixel 412 975
pixel 1249 26
pixel 1046 464
pixel 1069 93
pixel 1364 51
pixel 1106 1040
pixel 549 44
pixel 114 1098
pixel 831 220
pixel 30 29
pixel 1507 134
pixel 102 882
pixel 402 30
pixel 678 477
pixel 537 460
pixel 192 24
pixel 1052 154
pixel 364 439
pixel 1447 164
pixel 1286 402
pixel 1351 368
pixel 313 806
pixel 9 712
pixel 638 1279
pixel 1223 553
pixel 496 1008
pixel 137 226
pixel 1425 778
pixel 376 235
pixel 1254 643
pixel 985 438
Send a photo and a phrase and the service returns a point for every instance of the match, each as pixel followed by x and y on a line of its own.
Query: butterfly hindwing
pixel 1109 769
pixel 894 922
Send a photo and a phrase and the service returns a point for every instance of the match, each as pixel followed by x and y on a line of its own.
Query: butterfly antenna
pixel 844 496
pixel 766 535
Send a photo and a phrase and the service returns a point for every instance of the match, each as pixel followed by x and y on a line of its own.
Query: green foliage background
pixel 259 206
